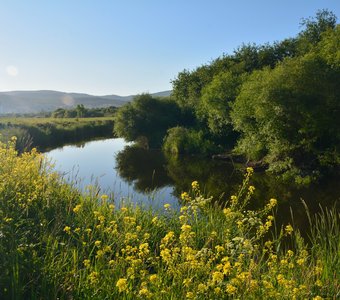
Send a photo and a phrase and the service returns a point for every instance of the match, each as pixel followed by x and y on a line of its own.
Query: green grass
pixel 56 242
pixel 45 133
pixel 59 121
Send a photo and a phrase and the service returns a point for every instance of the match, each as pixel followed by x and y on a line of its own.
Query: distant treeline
pixel 80 111
pixel 277 105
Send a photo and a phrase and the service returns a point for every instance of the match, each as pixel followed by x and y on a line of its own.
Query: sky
pixel 126 47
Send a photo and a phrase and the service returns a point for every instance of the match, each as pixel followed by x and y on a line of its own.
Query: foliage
pixel 293 125
pixel 58 243
pixel 147 118
pixel 180 140
pixel 82 112
pixel 323 21
pixel 277 102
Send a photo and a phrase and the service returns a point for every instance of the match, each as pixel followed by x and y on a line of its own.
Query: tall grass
pixel 52 132
pixel 56 242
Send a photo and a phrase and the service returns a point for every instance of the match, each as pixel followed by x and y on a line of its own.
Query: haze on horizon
pixel 130 47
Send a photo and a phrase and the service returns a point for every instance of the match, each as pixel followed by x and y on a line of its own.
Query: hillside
pixel 45 100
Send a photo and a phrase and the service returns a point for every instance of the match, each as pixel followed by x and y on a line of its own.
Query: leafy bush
pixel 180 140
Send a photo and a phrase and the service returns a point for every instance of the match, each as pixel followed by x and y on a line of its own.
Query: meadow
pixel 45 133
pixel 59 243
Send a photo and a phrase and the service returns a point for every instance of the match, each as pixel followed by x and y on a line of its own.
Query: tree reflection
pixel 144 168
pixel 151 169
pixel 216 178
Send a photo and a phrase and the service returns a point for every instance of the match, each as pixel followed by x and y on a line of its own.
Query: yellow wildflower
pixel 94 277
pixel 217 277
pixel 186 228
pixel 77 208
pixel 272 202
pixel 187 281
pixel 100 253
pixel 250 170
pixel 280 279
pixel 166 255
pixel 144 292
pixel 219 248
pixel 111 263
pixel 185 196
pixel 104 197
pixel 97 243
pixel 230 289
pixel 251 189
pixel 227 211
pixel 86 263
pixel 289 229
pixel 195 185
pixel 67 229
pixel 233 199
pixel 167 206
pixel 318 283
pixel 202 288
pixel 183 219
pixel 144 249
pixel 122 284
pixel 101 219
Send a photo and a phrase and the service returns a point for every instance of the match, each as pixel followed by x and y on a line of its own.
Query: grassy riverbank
pixel 52 132
pixel 56 242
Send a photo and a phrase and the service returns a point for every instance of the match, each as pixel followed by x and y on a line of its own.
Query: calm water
pixel 95 162
pixel 149 177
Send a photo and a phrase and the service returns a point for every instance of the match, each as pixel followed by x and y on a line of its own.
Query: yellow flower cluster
pixel 199 252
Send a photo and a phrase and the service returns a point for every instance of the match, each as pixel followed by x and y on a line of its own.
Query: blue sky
pixel 132 46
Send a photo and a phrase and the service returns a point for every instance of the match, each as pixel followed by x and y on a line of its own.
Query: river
pixel 150 178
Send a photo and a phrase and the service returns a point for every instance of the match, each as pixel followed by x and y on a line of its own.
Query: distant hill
pixel 38 101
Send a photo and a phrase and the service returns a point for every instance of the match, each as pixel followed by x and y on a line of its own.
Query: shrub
pixel 180 140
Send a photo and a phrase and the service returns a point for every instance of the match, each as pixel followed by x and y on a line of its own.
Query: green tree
pixel 314 28
pixel 288 117
pixel 147 118
pixel 216 101
pixel 81 110
pixel 58 113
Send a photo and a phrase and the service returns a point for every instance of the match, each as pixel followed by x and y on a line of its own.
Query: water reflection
pixel 130 171
pixel 150 169
pixel 145 169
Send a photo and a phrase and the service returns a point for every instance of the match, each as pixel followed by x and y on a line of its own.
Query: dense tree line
pixel 275 104
pixel 80 111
